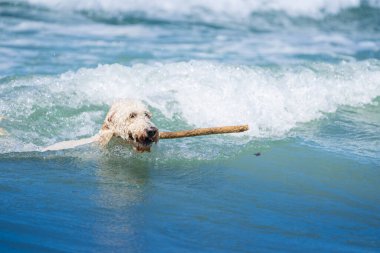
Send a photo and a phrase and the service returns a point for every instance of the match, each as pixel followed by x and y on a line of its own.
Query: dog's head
pixel 131 120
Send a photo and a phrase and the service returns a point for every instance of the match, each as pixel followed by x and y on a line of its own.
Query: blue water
pixel 305 77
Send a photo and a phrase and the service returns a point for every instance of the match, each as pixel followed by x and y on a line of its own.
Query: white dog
pixel 127 119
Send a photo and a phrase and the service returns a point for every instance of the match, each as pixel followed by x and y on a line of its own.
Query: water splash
pixel 42 110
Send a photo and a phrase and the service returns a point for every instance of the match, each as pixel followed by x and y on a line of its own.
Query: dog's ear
pixel 105 137
pixel 108 121
pixel 110 117
pixel 105 126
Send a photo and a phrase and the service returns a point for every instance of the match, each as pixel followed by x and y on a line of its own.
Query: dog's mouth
pixel 144 142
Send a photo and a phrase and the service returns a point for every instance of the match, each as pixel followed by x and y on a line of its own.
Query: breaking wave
pixel 41 110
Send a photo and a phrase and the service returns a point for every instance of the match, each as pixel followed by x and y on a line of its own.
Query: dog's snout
pixel 152 131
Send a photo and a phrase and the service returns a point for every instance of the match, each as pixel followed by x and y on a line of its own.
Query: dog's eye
pixel 132 115
pixel 147 115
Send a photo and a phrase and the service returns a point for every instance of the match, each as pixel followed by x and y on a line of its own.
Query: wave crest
pixel 272 101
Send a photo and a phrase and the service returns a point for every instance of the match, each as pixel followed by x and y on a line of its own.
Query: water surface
pixel 305 77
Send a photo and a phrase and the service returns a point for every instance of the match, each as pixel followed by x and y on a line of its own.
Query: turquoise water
pixel 305 77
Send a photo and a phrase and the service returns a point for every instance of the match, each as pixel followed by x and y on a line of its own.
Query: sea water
pixel 305 76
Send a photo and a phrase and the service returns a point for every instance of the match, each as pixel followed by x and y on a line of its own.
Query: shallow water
pixel 306 78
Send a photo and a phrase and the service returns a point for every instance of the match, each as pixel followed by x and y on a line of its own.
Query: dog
pixel 128 119
pixel 131 121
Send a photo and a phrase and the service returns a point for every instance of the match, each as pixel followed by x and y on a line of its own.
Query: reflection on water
pixel 121 181
pixel 121 184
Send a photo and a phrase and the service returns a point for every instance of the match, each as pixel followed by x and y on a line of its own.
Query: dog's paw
pixel 104 137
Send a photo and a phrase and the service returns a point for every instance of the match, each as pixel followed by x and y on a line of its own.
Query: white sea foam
pixel 202 94
pixel 236 8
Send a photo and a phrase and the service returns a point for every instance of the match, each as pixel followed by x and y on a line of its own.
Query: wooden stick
pixel 203 131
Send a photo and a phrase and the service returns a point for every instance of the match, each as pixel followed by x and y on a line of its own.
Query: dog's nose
pixel 152 131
